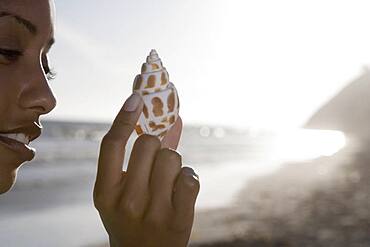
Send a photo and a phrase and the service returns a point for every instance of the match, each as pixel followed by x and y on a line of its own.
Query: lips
pixel 18 140
pixel 23 151
pixel 20 137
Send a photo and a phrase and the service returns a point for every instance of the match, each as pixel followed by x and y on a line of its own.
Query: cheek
pixel 9 91
pixel 5 102
pixel 8 99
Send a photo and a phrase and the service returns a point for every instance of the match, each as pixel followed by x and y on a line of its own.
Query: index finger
pixel 112 149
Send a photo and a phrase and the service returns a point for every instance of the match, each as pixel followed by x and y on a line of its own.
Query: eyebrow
pixel 27 24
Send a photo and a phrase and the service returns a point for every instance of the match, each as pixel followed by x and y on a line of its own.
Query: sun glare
pixel 305 144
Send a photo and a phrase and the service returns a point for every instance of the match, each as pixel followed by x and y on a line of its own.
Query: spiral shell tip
pixel 153 56
pixel 153 52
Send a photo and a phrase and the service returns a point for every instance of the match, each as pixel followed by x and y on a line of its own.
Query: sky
pixel 237 62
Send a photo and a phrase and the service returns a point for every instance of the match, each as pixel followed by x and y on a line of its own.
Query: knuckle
pixel 123 123
pixel 180 227
pixel 102 204
pixel 170 155
pixel 190 179
pixel 148 140
pixel 109 139
pixel 106 138
pixel 194 185
pixel 131 209
pixel 156 221
pixel 119 132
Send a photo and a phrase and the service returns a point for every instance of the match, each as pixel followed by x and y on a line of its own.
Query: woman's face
pixel 26 35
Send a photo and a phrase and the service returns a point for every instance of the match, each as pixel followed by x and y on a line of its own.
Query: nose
pixel 36 94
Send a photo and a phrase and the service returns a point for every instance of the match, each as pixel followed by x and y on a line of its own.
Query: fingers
pixel 136 189
pixel 112 148
pixel 186 191
pixel 166 168
pixel 172 138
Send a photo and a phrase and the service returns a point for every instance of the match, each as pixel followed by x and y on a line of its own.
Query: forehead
pixel 38 12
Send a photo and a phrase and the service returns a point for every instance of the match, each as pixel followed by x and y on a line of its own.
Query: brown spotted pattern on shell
pixel 151 82
pixel 171 102
pixel 145 111
pixel 161 101
pixel 163 79
pixel 157 107
pixel 155 66
pixel 155 126
pixel 139 130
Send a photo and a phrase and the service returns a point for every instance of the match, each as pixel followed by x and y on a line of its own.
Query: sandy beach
pixel 323 202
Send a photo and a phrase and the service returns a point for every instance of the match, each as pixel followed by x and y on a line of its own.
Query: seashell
pixel 161 101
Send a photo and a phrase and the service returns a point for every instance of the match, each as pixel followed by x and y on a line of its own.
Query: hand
pixel 152 203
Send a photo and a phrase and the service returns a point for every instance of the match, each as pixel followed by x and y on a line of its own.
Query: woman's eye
pixel 8 56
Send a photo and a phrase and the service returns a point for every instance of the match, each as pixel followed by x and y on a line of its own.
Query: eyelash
pixel 13 55
pixel 50 73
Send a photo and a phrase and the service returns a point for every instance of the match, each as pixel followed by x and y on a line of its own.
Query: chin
pixel 7 180
pixel 10 162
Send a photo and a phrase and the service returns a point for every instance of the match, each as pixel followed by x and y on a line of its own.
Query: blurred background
pixel 275 98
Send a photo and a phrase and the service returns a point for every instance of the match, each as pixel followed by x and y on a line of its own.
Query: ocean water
pixel 51 204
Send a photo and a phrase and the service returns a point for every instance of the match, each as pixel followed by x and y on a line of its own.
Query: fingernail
pixel 132 103
pixel 191 173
